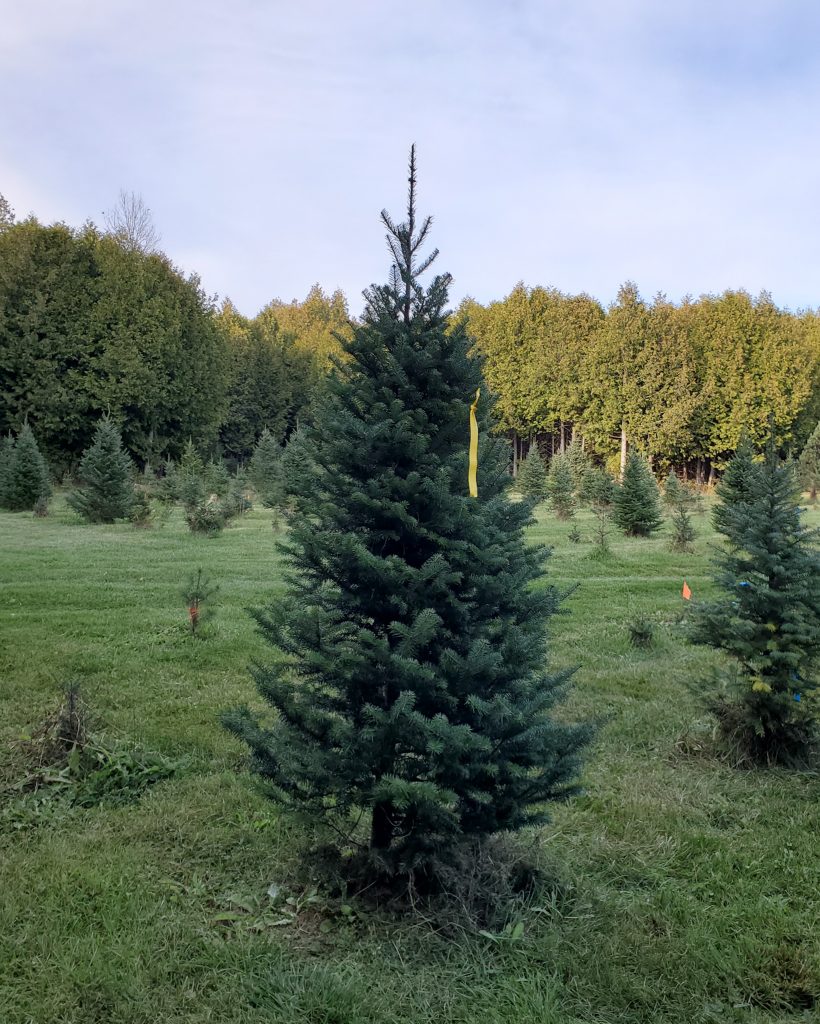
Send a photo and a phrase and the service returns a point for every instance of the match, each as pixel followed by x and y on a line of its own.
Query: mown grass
pixel 684 890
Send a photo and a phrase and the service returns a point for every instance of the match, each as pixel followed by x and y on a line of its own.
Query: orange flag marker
pixel 687 593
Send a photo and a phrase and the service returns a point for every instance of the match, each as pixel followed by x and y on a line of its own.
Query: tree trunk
pixel 572 436
pixel 686 472
pixel 699 472
pixel 381 829
pixel 623 449
pixel 711 475
pixel 515 454
pixel 562 444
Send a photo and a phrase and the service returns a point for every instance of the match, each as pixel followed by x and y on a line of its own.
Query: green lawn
pixel 684 891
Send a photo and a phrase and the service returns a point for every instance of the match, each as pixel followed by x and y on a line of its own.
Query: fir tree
pixel 265 470
pixel 683 532
pixel 579 463
pixel 560 487
pixel 532 476
pixel 106 491
pixel 410 683
pixel 674 493
pixel 598 488
pixel 637 505
pixel 27 477
pixel 189 477
pixel 808 466
pixel 768 622
pixel 736 485
pixel 6 458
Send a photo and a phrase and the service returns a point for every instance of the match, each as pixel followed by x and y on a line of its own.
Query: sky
pixel 571 144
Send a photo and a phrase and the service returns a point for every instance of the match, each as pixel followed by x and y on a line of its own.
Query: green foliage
pixel 808 466
pixel 598 489
pixel 532 476
pixel 25 477
pixel 270 382
pixel 6 458
pixel 207 517
pixel 674 493
pixel 580 465
pixel 574 535
pixel 216 478
pixel 265 470
pixel 637 501
pixel 106 472
pixel 88 325
pixel 736 487
pixel 560 487
pixel 768 621
pixel 237 501
pixel 410 682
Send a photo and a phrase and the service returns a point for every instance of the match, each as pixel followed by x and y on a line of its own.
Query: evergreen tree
pixel 189 477
pixel 265 470
pixel 6 457
pixel 106 491
pixel 768 622
pixel 674 493
pixel 579 463
pixel 736 486
pixel 637 502
pixel 598 488
pixel 412 685
pixel 683 532
pixel 27 477
pixel 532 476
pixel 808 465
pixel 560 487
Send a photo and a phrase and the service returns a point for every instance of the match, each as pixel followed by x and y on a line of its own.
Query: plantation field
pixel 677 889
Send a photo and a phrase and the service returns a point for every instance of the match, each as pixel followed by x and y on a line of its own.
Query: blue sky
pixel 572 144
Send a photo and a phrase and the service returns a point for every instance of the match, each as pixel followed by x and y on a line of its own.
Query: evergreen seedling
pixel 197 595
pixel 411 683
pixel 637 506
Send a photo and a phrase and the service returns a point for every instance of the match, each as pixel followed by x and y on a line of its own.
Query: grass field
pixel 684 891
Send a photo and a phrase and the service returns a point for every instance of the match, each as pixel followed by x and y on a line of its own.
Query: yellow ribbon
pixel 473 448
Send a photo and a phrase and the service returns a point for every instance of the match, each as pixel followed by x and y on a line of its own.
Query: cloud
pixel 574 145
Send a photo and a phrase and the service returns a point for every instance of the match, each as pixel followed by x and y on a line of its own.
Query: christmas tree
pixel 579 463
pixel 808 466
pixel 674 494
pixel 637 502
pixel 265 470
pixel 598 489
pixel 736 485
pixel 106 491
pixel 410 684
pixel 768 622
pixel 532 475
pixel 26 473
pixel 6 457
pixel 560 487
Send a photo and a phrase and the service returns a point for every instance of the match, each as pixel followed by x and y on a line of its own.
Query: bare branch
pixel 130 222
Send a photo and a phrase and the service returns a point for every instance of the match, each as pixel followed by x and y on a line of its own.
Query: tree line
pixel 92 324
pixel 681 383
pixel 100 322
